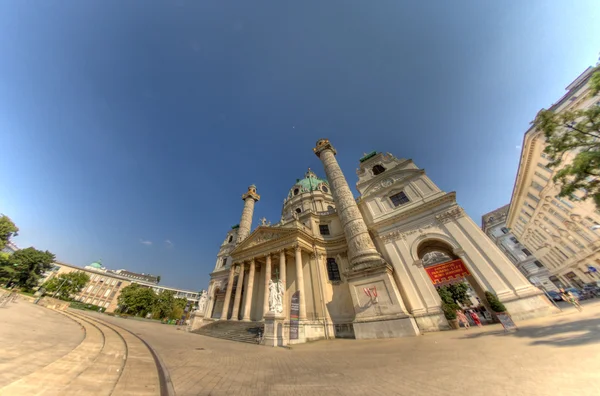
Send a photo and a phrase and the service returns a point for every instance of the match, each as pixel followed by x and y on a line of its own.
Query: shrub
pixel 495 304
pixel 449 310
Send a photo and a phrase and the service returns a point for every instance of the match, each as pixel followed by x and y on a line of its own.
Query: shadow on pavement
pixel 579 332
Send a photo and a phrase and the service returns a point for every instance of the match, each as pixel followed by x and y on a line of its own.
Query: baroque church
pixel 363 267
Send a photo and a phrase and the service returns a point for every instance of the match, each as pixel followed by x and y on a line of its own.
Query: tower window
pixel 325 189
pixel 399 199
pixel 333 272
pixel 378 169
pixel 324 229
pixel 330 208
pixel 526 251
pixel 298 210
pixel 296 191
pixel 230 238
pixel 504 230
pixel 538 264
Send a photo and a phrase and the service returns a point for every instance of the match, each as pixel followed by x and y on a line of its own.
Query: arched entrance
pixel 453 280
pixel 217 307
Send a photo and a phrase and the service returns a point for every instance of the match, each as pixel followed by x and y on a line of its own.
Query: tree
pixel 136 300
pixel 164 304
pixel 67 284
pixel 30 264
pixel 455 294
pixel 158 279
pixel 494 302
pixel 8 229
pixel 576 132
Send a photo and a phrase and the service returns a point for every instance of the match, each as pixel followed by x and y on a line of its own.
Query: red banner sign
pixel 446 272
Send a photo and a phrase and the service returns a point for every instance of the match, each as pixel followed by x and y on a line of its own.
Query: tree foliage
pixel 576 132
pixel 28 265
pixel 137 300
pixel 8 229
pixel 455 294
pixel 494 302
pixel 67 284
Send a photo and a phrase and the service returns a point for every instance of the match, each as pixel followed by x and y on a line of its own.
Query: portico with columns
pixel 359 265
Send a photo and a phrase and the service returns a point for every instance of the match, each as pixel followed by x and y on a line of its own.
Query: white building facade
pixel 494 225
pixel 562 232
pixel 361 267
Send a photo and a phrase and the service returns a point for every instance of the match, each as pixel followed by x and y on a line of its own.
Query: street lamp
pixel 59 287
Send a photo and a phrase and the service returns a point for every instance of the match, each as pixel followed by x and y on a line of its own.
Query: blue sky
pixel 126 124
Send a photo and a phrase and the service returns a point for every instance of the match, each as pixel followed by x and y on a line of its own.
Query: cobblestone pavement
pixel 546 356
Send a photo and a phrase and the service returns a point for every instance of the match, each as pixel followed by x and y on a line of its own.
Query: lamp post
pixel 61 285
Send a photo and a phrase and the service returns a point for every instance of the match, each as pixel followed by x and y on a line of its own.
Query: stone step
pixel 231 330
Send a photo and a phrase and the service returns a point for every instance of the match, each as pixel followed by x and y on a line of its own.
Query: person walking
pixel 567 296
pixel 463 319
pixel 475 318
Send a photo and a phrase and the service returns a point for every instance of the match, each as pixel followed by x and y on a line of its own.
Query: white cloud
pixel 147 243
pixel 168 243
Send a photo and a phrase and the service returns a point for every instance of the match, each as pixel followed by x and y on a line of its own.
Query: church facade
pixel 361 268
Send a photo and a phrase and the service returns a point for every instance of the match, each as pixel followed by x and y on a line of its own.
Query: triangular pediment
pixel 392 179
pixel 263 234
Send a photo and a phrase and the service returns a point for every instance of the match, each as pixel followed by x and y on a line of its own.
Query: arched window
pixel 330 208
pixel 377 169
pixel 296 191
pixel 333 272
pixel 298 210
pixel 325 189
pixel 230 238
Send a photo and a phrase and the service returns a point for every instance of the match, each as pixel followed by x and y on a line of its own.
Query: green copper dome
pixel 96 265
pixel 310 183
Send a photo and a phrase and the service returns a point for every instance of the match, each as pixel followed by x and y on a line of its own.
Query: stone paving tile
pixel 32 337
pixel 546 356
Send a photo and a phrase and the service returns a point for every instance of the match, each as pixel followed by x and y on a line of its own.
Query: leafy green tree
pixel 164 304
pixel 8 229
pixel 67 284
pixel 136 300
pixel 158 279
pixel 30 264
pixel 576 132
pixel 494 302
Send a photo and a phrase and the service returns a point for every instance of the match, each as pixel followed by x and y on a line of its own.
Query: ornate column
pixel 267 279
pixel 282 276
pixel 225 309
pixel 238 294
pixel 246 221
pixel 248 305
pixel 361 249
pixel 300 283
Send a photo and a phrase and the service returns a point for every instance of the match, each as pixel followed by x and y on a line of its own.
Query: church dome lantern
pixel 311 192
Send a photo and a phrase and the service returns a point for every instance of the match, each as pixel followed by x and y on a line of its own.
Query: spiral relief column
pixel 361 249
pixel 246 222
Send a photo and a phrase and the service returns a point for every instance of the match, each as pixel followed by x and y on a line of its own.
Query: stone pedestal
pixel 274 330
pixel 197 320
pixel 380 312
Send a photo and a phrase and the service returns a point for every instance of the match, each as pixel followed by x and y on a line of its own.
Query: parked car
pixel 554 295
pixel 575 292
pixel 591 290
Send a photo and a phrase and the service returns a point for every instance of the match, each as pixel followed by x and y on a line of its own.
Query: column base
pixel 394 328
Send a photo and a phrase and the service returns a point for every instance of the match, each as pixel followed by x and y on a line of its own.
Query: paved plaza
pixel 545 357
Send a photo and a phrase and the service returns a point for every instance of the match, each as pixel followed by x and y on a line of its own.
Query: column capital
pixel 322 145
pixel 251 193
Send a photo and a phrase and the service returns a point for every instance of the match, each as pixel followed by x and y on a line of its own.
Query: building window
pixel 514 240
pixel 325 189
pixel 538 264
pixel 525 213
pixel 544 178
pixel 526 251
pixel 230 238
pixel 537 186
pixel 504 230
pixel 330 208
pixel 399 199
pixel 378 169
pixel 296 191
pixel 332 270
pixel 533 197
pixel 324 229
pixel 119 284
pixel 298 210
pixel 544 167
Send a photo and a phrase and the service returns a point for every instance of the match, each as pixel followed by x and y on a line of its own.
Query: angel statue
pixel 202 301
pixel 275 296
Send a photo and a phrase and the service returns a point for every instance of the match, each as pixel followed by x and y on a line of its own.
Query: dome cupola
pixel 310 193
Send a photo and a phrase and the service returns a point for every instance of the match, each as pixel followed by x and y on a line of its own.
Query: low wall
pixel 54 303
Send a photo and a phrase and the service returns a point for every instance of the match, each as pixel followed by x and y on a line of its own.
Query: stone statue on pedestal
pixel 202 302
pixel 276 296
